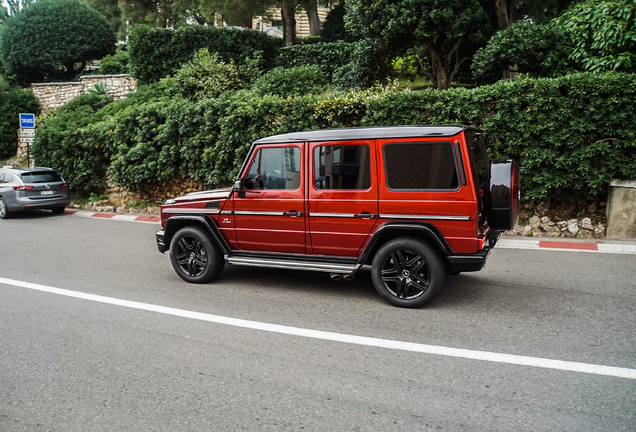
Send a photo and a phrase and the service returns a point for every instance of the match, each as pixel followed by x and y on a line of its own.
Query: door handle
pixel 365 215
pixel 293 213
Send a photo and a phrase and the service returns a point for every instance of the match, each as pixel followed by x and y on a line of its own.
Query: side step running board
pixel 293 265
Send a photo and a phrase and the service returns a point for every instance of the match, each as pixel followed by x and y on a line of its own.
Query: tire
pixel 58 210
pixel 194 255
pixel 4 211
pixel 407 272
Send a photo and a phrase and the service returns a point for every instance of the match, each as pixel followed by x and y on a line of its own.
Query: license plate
pixel 49 192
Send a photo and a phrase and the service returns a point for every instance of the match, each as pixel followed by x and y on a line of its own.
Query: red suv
pixel 414 202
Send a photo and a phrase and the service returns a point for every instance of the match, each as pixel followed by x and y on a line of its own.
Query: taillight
pixel 22 188
pixel 64 185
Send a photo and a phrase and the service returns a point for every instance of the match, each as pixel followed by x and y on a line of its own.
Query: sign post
pixel 27 132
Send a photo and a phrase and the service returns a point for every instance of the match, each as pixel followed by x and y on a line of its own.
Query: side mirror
pixel 238 188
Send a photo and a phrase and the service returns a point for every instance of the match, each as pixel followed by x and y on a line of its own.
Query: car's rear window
pixel 40 177
pixel 420 166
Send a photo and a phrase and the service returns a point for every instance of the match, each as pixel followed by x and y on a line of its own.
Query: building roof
pixel 365 133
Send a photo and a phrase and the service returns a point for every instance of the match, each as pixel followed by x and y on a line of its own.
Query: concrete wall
pixel 621 219
pixel 54 95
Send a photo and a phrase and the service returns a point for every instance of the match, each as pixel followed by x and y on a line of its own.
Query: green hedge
pixel 156 53
pixel 328 56
pixel 13 101
pixel 571 135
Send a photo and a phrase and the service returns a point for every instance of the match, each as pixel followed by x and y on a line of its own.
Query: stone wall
pixel 54 95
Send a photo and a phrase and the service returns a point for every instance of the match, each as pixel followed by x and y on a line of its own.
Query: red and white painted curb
pixel 601 246
pixel 115 216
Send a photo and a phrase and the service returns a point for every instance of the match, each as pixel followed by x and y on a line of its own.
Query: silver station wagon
pixel 30 189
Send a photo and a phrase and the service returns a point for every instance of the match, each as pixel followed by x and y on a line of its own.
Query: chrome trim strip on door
pixel 190 211
pixel 259 213
pixel 292 265
pixel 333 215
pixel 429 217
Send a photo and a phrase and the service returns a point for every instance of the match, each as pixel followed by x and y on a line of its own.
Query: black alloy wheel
pixel 407 272
pixel 194 256
pixel 4 211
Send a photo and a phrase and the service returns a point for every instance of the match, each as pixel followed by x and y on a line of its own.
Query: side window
pixel 274 168
pixel 479 160
pixel 342 167
pixel 421 166
pixel 1 177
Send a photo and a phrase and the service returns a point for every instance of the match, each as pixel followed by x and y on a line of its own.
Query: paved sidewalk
pixel 506 242
pixel 570 245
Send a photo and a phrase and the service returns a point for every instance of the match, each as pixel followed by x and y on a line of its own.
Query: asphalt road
pixel 71 364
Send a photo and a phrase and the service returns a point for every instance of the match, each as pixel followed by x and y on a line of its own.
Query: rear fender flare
pixel 175 223
pixel 388 229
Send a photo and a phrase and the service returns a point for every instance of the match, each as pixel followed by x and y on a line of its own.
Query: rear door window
pixel 342 167
pixel 421 166
pixel 41 177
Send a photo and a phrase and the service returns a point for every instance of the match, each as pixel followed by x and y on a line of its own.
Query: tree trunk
pixel 439 75
pixel 503 19
pixel 288 14
pixel 506 16
pixel 311 8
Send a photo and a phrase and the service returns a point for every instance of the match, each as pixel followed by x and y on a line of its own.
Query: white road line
pixel 339 337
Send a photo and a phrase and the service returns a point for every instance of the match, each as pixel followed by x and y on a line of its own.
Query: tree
pixel 54 38
pixel 112 12
pixel 438 25
pixel 539 50
pixel 603 33
pixel 334 28
pixel 509 12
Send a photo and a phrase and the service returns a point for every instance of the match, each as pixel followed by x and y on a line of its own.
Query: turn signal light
pixel 20 188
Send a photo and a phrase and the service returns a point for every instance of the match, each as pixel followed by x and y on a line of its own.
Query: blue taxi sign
pixel 27 120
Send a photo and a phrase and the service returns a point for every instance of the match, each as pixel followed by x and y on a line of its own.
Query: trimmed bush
pixel 156 53
pixel 13 101
pixel 77 143
pixel 570 135
pixel 115 64
pixel 295 81
pixel 328 56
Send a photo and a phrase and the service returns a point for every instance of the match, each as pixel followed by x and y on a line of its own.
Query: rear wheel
pixel 194 256
pixel 4 211
pixel 58 210
pixel 407 272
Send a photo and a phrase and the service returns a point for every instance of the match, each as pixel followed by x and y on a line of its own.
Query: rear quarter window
pixel 422 166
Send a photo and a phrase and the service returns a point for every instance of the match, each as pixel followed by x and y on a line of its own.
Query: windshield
pixel 41 177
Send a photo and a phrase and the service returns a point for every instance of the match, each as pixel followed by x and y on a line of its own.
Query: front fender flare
pixel 179 221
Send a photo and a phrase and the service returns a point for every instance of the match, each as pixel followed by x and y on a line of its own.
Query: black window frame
pixel 453 149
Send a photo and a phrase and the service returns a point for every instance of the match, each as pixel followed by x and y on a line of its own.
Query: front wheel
pixel 4 211
pixel 194 256
pixel 407 272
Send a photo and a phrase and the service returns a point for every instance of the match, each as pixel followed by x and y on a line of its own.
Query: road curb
pixel 115 216
pixel 598 246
